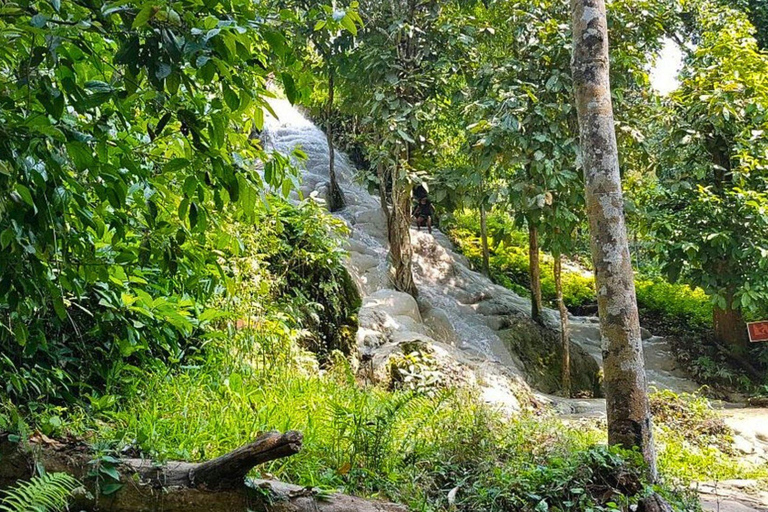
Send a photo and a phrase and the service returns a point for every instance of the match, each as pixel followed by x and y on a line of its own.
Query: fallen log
pixel 216 485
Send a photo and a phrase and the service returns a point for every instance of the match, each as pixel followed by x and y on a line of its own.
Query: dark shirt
pixel 423 209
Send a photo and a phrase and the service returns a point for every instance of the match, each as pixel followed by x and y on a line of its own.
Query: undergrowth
pixel 695 443
pixel 431 447
pixel 414 448
pixel 674 310
pixel 49 492
pixel 509 267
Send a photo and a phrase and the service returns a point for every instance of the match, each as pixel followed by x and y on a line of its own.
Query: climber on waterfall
pixel 423 212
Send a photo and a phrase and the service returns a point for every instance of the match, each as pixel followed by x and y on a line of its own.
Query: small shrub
pixel 50 492
pixel 417 371
pixel 685 305
pixel 693 417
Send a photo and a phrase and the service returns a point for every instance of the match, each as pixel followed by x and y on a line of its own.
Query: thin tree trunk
pixel 534 273
pixel 399 233
pixel 565 334
pixel 484 240
pixel 729 324
pixel 383 179
pixel 335 195
pixel 629 416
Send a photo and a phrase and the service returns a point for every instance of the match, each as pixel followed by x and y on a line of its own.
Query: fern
pixel 47 493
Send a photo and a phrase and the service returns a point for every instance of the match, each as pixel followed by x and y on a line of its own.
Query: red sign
pixel 758 331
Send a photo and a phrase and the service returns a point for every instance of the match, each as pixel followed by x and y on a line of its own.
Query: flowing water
pixel 457 305
pixel 458 309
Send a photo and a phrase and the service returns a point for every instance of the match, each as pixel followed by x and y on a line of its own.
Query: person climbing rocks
pixel 423 213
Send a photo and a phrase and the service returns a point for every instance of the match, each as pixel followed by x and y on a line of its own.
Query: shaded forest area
pixel 168 296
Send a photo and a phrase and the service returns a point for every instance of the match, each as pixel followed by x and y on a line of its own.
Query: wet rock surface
pixel 477 331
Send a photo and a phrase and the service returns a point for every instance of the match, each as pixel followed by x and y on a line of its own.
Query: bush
pixel 678 302
pixel 509 264
pixel 288 259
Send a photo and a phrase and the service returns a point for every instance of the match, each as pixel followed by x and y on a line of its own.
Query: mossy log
pixel 216 485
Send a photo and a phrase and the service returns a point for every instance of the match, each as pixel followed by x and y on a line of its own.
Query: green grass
pixel 413 447
pixel 409 447
pixel 694 442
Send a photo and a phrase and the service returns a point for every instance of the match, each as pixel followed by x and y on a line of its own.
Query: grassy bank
pixel 394 444
pixel 509 267
pixel 270 362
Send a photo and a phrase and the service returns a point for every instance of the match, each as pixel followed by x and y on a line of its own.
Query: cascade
pixel 478 324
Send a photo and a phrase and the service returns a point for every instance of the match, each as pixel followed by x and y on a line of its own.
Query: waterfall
pixel 463 312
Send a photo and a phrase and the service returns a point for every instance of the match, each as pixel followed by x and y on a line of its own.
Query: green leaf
pixel 110 471
pixel 38 21
pixel 21 333
pixel 144 15
pixel 6 237
pixel 98 86
pixel 59 307
pixel 217 130
pixel 276 41
pixel 193 215
pixel 25 195
pixel 176 164
pixel 231 98
pixel 110 488
pixel 81 155
pixel 290 87
pixel 348 24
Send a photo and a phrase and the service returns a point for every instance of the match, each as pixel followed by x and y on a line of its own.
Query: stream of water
pixel 457 307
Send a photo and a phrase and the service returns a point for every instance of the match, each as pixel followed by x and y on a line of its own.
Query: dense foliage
pixel 160 295
pixel 710 213
pixel 126 141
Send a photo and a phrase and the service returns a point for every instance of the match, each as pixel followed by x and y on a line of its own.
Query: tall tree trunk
pixel 565 334
pixel 399 233
pixel 335 195
pixel 534 273
pixel 730 327
pixel 381 172
pixel 629 416
pixel 484 241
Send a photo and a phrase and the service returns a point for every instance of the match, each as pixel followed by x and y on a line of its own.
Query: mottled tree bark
pixel 484 242
pixel 629 417
pixel 534 273
pixel 399 233
pixel 565 334
pixel 335 195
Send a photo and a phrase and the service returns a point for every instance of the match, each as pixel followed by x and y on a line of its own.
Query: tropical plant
pixel 126 135
pixel 710 219
pixel 50 492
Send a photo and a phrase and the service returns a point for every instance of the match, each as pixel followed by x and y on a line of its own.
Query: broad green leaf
pixel 147 11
